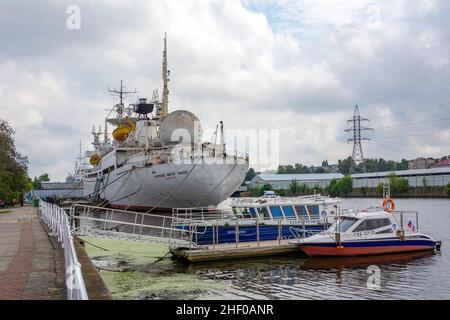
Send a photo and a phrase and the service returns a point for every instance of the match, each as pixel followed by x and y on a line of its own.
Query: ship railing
pixel 200 222
pixel 183 152
pixel 56 220
pixel 408 221
pixel 124 224
pixel 302 200
pixel 204 216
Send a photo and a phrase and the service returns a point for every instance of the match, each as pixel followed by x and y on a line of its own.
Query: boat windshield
pixel 344 224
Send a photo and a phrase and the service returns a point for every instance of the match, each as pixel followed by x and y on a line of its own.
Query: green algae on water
pixel 140 253
pixel 135 270
pixel 141 285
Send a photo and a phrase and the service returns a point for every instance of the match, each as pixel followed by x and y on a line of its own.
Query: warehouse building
pixel 282 181
pixel 433 177
pixel 59 190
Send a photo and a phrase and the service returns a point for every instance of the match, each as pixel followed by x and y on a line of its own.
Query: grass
pixel 5 211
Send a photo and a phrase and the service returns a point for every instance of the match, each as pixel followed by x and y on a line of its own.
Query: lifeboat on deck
pixel 95 159
pixel 122 132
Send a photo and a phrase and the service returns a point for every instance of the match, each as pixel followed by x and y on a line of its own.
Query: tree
pixel 13 166
pixel 290 169
pixel 424 183
pixel 250 174
pixel 373 165
pixel 332 188
pixel 294 187
pixel 44 177
pixel 344 165
pixel 37 183
pixel 379 190
pixel 345 185
pixel 265 187
pixel 320 170
pixel 398 185
pixel 340 188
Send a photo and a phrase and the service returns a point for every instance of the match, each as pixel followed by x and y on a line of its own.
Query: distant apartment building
pixel 442 163
pixel 421 163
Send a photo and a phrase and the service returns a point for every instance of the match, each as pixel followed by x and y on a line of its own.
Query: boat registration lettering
pixel 361 234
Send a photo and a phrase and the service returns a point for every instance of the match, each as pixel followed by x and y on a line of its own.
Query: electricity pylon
pixel 357 155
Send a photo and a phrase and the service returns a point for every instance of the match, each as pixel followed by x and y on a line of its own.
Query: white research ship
pixel 156 159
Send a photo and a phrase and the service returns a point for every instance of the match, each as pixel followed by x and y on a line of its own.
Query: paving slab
pixel 31 268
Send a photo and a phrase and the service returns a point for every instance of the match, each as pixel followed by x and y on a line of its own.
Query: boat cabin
pixel 273 207
pixel 374 223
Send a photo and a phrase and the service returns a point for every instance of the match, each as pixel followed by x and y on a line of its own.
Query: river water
pixel 407 276
pixel 402 276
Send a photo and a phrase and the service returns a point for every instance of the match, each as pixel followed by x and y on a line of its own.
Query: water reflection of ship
pixel 303 263
pixel 362 261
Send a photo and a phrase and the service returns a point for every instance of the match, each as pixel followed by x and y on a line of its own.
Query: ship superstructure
pixel 156 158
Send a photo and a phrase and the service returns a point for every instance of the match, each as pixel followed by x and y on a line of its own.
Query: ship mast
pixel 120 107
pixel 165 74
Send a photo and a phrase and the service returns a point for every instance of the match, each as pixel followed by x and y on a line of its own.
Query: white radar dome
pixel 181 126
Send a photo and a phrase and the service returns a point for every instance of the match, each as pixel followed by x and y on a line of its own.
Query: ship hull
pixel 169 185
pixel 363 248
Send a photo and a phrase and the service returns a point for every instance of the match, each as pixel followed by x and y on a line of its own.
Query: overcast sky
pixel 296 66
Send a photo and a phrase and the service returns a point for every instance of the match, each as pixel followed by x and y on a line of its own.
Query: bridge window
pixel 237 212
pixel 344 224
pixel 264 213
pixel 301 210
pixel 371 224
pixel 313 210
pixel 252 212
pixel 289 212
pixel 245 213
pixel 276 212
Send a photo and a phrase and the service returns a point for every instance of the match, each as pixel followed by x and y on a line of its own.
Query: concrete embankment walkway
pixel 30 266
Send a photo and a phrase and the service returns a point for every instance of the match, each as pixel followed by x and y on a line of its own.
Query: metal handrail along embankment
pixel 56 219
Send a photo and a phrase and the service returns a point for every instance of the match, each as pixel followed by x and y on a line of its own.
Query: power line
pixel 407 136
pixel 424 109
pixel 413 123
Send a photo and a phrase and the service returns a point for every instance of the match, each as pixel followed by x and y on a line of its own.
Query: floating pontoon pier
pixel 227 251
pixel 215 234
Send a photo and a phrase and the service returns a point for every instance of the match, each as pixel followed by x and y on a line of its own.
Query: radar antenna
pixel 120 107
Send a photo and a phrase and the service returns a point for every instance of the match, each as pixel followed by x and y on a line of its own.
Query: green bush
pixel 294 187
pixel 339 188
pixel 398 185
pixel 447 189
pixel 265 187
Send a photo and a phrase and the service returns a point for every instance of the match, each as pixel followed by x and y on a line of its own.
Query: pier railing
pixel 56 219
pixel 208 215
pixel 202 226
pixel 124 224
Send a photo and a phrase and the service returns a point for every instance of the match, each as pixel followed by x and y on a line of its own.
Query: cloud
pixel 296 66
